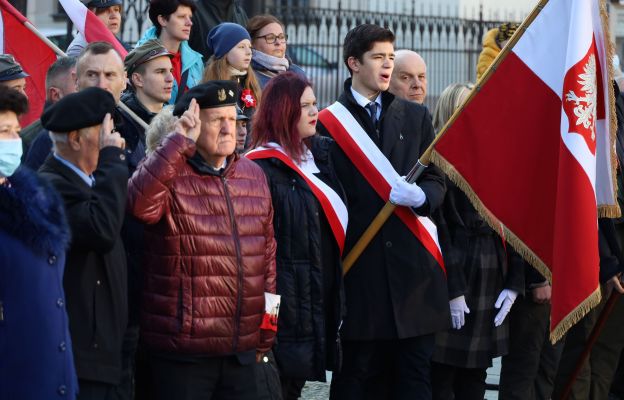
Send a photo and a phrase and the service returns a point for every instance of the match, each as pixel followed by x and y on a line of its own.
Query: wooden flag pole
pixel 387 210
pixel 61 53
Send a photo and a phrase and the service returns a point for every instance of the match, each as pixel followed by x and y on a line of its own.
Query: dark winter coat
pixel 95 278
pixel 36 360
pixel 395 289
pixel 210 252
pixel 210 13
pixel 309 272
pixel 479 266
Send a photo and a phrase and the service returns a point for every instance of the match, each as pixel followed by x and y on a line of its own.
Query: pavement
pixel 320 390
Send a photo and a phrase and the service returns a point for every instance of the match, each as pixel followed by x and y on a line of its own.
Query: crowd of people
pixel 192 248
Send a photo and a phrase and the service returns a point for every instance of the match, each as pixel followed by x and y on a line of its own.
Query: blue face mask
pixel 10 156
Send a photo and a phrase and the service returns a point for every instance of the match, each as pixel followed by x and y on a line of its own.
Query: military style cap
pixel 211 94
pixel 78 110
pixel 240 115
pixel 10 69
pixel 144 53
pixel 101 3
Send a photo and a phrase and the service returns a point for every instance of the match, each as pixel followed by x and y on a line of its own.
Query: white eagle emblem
pixel 585 105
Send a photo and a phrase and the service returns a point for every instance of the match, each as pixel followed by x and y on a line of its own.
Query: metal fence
pixel 449 45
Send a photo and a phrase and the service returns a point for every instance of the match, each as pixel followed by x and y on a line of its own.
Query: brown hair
pixel 217 69
pixel 255 24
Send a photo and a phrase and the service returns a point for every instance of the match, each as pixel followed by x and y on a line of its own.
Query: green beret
pixel 211 94
pixel 144 53
pixel 78 110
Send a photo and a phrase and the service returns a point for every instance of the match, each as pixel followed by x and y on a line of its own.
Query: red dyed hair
pixel 277 117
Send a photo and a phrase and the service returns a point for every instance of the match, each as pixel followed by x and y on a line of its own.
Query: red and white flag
pixel 32 53
pixel 90 25
pixel 533 149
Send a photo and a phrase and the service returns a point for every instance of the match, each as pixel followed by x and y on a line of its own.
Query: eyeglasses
pixel 271 38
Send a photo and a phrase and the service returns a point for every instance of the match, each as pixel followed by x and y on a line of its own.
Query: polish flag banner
pixel 30 52
pixel 90 25
pixel 533 148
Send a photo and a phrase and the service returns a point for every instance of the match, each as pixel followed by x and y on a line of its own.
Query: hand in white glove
pixel 505 300
pixel 458 308
pixel 406 194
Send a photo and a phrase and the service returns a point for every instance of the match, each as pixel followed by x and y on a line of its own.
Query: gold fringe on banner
pixel 525 252
pixel 610 210
pixel 575 316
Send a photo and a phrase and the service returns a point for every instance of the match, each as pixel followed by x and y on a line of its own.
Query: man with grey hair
pixel 409 77
pixel 60 81
pixel 89 171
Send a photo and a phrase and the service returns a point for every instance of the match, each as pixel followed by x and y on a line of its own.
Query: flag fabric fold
pixel 31 52
pixel 90 25
pixel 533 149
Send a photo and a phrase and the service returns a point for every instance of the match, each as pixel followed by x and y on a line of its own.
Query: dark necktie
pixel 372 108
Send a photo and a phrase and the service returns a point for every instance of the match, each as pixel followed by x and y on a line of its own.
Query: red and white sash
pixel 333 206
pixel 377 171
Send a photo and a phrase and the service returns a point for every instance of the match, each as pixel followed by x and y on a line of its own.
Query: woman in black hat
pixel 35 346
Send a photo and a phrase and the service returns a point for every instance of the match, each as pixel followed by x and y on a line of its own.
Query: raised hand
pixel 189 123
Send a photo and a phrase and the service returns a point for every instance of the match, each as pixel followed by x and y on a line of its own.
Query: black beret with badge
pixel 211 94
pixel 146 52
pixel 10 69
pixel 78 110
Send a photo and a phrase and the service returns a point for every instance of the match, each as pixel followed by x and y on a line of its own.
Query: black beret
pixel 78 110
pixel 211 94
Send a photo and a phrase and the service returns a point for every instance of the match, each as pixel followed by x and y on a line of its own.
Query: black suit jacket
pixel 95 280
pixel 395 289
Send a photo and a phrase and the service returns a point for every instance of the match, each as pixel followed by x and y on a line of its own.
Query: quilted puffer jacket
pixel 209 251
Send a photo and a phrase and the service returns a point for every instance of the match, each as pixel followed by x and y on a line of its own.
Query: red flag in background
pixel 90 25
pixel 533 150
pixel 32 53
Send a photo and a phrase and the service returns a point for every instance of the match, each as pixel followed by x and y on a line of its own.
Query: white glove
pixel 458 308
pixel 406 194
pixel 505 300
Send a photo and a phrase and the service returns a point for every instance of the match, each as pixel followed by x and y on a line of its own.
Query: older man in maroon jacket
pixel 210 253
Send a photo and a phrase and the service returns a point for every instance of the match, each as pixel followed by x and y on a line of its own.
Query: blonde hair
pixel 450 99
pixel 218 69
pixel 162 124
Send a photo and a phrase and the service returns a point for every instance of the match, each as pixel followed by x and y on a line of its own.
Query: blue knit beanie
pixel 223 37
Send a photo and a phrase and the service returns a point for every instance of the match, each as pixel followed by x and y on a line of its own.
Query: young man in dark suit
pixel 396 291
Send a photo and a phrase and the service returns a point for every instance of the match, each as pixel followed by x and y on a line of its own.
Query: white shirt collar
pixel 363 101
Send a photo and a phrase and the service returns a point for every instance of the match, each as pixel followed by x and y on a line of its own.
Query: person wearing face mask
pixel 310 221
pixel 172 27
pixel 35 344
pixel 110 13
pixel 269 48
pixel 231 60
pixel 88 168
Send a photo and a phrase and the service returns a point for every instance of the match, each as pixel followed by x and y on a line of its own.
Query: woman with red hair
pixel 310 219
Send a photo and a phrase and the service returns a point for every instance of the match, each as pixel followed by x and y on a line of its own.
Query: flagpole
pixel 425 158
pixel 61 53
pixel 593 337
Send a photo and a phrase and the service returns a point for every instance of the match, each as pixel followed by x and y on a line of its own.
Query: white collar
pixel 363 101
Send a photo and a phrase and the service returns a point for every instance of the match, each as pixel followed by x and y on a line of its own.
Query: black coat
pixel 395 289
pixel 309 271
pixel 95 278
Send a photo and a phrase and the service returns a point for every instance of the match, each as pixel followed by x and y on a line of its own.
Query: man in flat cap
pixel 88 169
pixel 110 13
pixel 209 253
pixel 149 72
pixel 12 76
